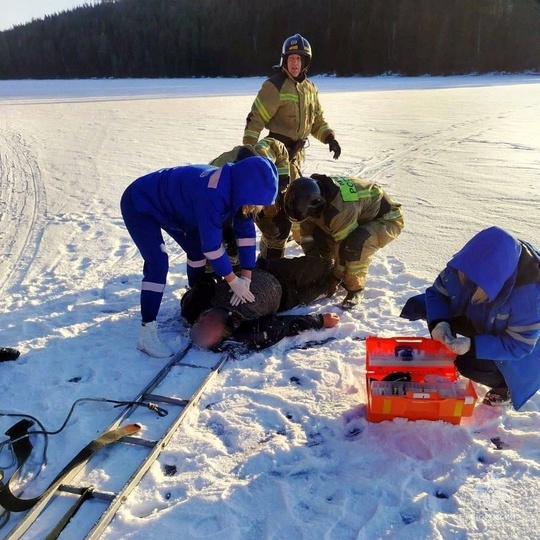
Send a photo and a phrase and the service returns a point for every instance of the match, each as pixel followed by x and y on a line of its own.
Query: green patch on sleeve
pixel 347 187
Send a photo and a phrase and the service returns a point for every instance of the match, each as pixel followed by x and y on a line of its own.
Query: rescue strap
pixel 72 510
pixel 21 446
pixel 22 449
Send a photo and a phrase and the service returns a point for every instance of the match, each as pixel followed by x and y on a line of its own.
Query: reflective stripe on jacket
pixel 352 202
pixel 508 326
pixel 269 148
pixel 287 107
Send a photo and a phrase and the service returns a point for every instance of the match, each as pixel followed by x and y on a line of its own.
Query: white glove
pixel 441 332
pixel 240 288
pixel 459 345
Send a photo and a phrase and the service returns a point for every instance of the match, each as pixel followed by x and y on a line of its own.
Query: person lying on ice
pixel 278 285
pixel 346 220
pixel 489 293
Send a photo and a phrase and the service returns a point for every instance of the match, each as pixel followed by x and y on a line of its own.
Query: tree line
pixel 236 38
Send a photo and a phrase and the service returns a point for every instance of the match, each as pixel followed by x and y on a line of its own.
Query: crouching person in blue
pixel 192 204
pixel 489 293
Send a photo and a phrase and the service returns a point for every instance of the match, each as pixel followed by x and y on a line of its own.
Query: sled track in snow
pixel 428 143
pixel 82 494
pixel 22 209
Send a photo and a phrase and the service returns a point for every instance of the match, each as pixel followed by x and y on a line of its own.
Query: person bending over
pixel 192 204
pixel 346 220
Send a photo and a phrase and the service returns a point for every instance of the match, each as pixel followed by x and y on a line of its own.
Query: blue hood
pixel 489 259
pixel 254 181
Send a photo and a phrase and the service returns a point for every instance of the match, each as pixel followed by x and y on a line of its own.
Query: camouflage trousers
pixel 353 256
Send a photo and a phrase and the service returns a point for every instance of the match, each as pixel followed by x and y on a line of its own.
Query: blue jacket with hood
pixel 193 202
pixel 508 324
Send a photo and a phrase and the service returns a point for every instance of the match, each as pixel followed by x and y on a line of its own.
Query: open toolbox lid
pixel 432 389
pixel 417 354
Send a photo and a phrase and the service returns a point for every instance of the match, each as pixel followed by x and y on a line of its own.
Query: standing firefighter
pixel 288 106
pixel 344 219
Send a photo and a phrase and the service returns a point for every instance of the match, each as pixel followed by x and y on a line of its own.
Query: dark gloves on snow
pixel 333 146
pixel 8 353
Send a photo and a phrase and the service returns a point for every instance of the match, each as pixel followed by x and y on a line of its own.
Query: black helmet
pixel 296 45
pixel 303 199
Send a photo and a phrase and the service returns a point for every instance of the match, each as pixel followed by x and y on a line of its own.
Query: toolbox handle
pixel 405 348
pixel 431 400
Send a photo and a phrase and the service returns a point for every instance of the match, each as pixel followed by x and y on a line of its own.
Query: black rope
pixel 9 442
pixel 150 406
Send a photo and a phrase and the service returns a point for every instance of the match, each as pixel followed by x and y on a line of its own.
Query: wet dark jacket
pixel 278 285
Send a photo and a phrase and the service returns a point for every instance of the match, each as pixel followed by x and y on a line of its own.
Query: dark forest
pixel 238 38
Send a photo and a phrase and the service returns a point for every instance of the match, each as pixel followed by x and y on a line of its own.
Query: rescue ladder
pixel 152 449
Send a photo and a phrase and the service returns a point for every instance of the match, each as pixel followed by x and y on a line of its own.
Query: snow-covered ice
pixel 279 446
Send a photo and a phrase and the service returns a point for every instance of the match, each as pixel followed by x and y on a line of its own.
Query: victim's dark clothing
pixel 271 329
pixel 278 285
pixel 302 279
pixel 208 293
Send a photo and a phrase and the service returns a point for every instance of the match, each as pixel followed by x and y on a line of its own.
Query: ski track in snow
pixel 22 209
pixel 279 446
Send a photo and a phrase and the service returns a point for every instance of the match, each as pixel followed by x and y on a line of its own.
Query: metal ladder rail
pixel 151 386
pixel 116 499
pixel 99 527
pixel 51 492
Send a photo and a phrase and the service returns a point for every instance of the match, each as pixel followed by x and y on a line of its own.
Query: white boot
pixel 150 342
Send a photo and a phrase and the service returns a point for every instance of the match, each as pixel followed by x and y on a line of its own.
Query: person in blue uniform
pixel 192 204
pixel 485 307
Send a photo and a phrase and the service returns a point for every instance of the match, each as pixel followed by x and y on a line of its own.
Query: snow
pixel 278 446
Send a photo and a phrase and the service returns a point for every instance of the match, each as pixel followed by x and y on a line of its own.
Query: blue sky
pixel 23 11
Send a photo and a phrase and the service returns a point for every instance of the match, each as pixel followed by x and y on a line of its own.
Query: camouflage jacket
pixel 269 148
pixel 351 202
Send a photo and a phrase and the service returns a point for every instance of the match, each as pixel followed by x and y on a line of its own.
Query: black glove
pixel 8 353
pixel 333 284
pixel 333 146
pixel 280 200
pixel 283 182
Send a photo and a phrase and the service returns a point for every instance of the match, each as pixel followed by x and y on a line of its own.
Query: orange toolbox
pixel 415 378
